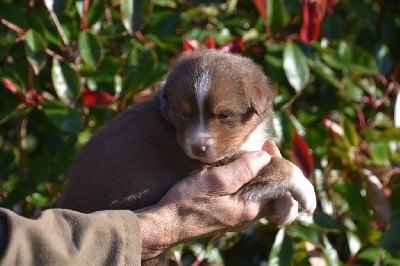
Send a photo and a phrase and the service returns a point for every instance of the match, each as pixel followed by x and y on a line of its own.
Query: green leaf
pixel 324 72
pixel 330 253
pixel 389 135
pixel 140 70
pixel 295 66
pixel 62 117
pixel 65 81
pixel 90 49
pixel 275 15
pixel 349 56
pixel 282 249
pixel 354 242
pixel 41 199
pixel 351 133
pixel 95 13
pixel 351 90
pixel 35 49
pixel 390 239
pixel 357 203
pixel 6 42
pixel 371 254
pixel 55 5
pixel 133 13
pixel 15 114
pixel 396 119
pixel 14 13
pixel 383 59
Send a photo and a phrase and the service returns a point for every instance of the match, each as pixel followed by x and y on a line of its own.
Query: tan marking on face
pixel 186 107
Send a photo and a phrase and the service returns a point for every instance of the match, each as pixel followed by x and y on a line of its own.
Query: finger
pixel 229 178
pixel 270 147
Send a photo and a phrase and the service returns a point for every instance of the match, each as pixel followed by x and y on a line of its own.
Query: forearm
pixel 60 237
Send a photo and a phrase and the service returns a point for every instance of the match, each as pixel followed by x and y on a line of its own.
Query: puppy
pixel 213 107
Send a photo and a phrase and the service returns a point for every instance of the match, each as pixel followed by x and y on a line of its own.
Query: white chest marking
pixel 202 86
pixel 256 139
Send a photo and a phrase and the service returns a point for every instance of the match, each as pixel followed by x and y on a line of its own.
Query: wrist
pixel 158 230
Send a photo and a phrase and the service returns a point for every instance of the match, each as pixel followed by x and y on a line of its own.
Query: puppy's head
pixel 219 103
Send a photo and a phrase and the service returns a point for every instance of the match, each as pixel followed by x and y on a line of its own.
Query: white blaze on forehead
pixel 202 86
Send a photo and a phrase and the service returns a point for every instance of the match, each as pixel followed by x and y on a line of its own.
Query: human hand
pixel 202 204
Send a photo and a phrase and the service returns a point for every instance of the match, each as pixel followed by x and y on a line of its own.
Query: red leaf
pixel 209 42
pixel 190 45
pixel 235 46
pixel 313 13
pixel 261 6
pixel 301 154
pixel 92 98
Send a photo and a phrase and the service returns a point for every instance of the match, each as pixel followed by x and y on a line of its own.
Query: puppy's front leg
pixel 277 178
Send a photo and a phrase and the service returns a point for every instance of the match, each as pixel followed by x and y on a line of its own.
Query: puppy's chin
pixel 213 160
pixel 207 159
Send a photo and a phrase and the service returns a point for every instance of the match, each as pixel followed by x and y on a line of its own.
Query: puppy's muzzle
pixel 201 147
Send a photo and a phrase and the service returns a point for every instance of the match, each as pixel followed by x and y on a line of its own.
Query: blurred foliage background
pixel 68 67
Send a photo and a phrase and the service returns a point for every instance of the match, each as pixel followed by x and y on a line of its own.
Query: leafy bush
pixel 67 67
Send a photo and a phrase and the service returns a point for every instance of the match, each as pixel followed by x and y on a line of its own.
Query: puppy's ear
pixel 261 101
pixel 163 96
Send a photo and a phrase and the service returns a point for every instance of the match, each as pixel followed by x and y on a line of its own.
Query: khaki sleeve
pixel 65 237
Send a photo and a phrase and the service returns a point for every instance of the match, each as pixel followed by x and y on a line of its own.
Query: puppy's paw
pixel 284 209
pixel 302 191
pixel 278 177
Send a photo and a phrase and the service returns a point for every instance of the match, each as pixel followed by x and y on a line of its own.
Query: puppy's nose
pixel 201 147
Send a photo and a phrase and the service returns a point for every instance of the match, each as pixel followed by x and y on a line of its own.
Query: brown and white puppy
pixel 213 107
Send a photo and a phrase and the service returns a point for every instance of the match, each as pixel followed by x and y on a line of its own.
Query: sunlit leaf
pixel 35 49
pixel 41 199
pixel 331 255
pixel 281 250
pixel 397 111
pixel 383 59
pixel 55 5
pixel 390 134
pixel 90 48
pixel 65 81
pixel 133 13
pixel 295 66
pixel 351 90
pixel 354 242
